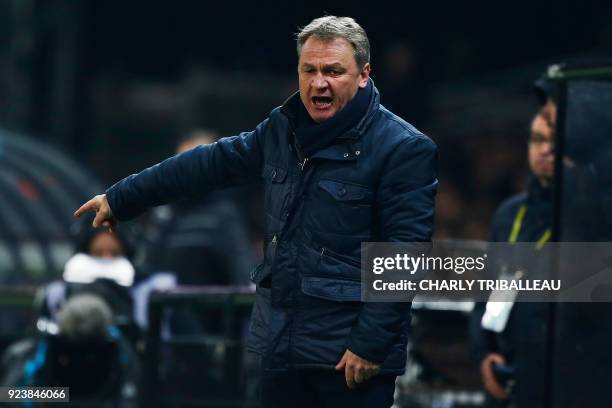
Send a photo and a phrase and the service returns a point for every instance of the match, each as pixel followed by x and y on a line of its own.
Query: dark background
pixel 115 83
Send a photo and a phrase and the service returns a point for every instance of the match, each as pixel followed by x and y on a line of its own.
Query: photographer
pixel 83 351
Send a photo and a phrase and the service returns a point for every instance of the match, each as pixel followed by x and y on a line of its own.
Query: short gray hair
pixel 84 316
pixel 330 27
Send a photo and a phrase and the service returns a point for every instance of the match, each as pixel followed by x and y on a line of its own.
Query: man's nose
pixel 549 148
pixel 319 81
pixel 108 255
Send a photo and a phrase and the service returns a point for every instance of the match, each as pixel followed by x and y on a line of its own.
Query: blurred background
pixel 92 91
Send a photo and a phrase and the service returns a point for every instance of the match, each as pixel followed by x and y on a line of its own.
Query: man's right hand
pixel 104 215
pixel 486 371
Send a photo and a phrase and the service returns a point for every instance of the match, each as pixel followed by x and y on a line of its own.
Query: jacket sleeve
pixel 406 202
pixel 230 161
pixel 480 341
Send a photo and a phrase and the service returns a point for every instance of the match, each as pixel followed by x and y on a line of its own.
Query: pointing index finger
pixel 89 205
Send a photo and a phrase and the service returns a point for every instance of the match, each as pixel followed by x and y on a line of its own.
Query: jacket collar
pixel 537 193
pixel 289 109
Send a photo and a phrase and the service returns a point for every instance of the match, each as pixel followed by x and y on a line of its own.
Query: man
pixel 526 217
pixel 101 265
pixel 82 350
pixel 203 241
pixel 338 169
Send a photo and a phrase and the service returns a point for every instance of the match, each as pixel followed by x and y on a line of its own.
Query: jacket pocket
pixel 338 290
pixel 260 274
pixel 340 257
pixel 341 208
pixel 257 274
pixel 259 328
pixel 342 191
pixel 331 264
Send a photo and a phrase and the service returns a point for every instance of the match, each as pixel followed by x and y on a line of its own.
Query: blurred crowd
pixel 93 319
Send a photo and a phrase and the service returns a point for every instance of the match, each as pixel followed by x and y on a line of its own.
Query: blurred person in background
pixel 338 169
pixel 402 74
pixel 512 360
pixel 101 265
pixel 84 351
pixel 204 240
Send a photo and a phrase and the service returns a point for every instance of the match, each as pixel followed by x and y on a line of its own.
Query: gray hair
pixel 84 316
pixel 331 27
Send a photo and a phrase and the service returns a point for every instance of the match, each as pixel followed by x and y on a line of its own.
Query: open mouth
pixel 322 102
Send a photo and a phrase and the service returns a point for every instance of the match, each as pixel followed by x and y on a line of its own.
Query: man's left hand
pixel 356 369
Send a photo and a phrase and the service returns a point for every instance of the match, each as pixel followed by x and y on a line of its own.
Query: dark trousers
pixel 321 389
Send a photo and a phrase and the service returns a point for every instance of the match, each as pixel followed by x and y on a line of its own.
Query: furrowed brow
pixel 335 65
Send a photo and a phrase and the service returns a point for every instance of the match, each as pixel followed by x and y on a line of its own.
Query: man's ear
pixel 364 75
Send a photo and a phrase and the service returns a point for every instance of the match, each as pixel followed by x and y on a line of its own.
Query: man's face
pixel 541 142
pixel 329 76
pixel 105 245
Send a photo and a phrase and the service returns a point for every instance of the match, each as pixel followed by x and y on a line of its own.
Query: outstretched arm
pixel 230 161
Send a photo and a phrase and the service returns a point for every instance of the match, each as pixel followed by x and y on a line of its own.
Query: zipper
pixel 255 272
pixel 342 258
pixel 303 163
pixel 271 249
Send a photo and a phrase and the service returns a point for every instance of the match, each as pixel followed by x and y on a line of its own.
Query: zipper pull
pixel 322 251
pixel 304 163
pixel 273 242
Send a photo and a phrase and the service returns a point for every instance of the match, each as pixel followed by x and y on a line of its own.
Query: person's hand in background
pixel 488 377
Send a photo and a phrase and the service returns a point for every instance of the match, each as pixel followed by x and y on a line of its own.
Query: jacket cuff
pixel 366 348
pixel 111 197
